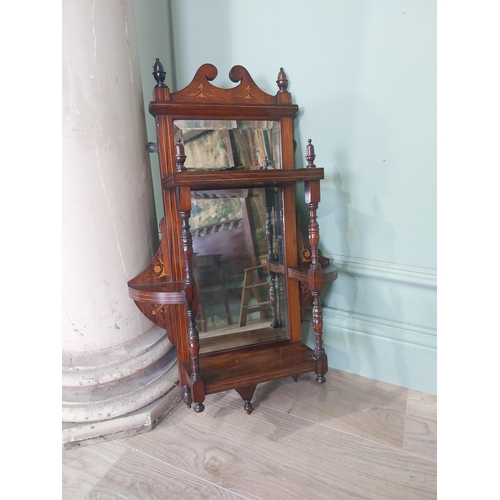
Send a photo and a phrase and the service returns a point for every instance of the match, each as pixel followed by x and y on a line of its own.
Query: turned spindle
pixel 315 275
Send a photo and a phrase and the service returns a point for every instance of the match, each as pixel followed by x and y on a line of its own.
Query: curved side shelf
pixel 330 273
pixel 301 273
pixel 158 293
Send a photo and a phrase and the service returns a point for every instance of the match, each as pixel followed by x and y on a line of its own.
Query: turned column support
pixel 315 274
pixel 197 393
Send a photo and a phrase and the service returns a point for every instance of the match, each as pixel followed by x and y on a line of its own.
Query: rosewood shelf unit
pixel 231 246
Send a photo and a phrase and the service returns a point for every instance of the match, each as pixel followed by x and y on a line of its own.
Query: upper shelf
pixel 220 111
pixel 241 178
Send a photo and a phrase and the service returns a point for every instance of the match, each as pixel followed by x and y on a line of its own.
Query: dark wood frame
pixel 166 290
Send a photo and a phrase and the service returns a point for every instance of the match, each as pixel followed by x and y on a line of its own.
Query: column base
pixel 119 391
pixel 137 422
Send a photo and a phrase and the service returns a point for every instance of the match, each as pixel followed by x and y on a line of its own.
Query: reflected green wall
pixel 364 76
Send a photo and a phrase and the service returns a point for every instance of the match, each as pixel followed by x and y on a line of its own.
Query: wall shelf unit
pixel 231 247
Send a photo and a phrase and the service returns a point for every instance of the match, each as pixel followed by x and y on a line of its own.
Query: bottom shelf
pixel 238 339
pixel 253 365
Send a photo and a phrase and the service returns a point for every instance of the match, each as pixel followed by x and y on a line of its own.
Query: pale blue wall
pixel 154 35
pixel 364 76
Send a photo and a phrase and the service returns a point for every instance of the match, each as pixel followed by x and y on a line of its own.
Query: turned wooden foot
pixel 186 396
pixel 321 379
pixel 248 406
pixel 246 394
pixel 198 407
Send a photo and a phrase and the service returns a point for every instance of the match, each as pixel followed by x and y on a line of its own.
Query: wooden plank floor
pixel 351 438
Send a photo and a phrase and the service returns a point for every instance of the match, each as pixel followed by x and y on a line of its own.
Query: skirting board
pixel 384 350
pixel 387 271
pixel 370 321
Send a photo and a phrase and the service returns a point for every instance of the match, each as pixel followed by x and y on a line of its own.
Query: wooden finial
pixel 267 163
pixel 159 73
pixel 310 154
pixel 282 81
pixel 180 157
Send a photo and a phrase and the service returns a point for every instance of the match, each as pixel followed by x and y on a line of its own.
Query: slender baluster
pixel 184 199
pixel 190 287
pixel 315 275
pixel 312 200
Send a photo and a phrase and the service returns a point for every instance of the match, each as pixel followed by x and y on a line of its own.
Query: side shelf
pixel 158 293
pixel 301 273
pixel 241 178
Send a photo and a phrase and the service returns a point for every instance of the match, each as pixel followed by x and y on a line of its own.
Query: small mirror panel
pixel 229 144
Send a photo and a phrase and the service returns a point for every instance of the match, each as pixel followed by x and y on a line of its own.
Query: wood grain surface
pixel 350 438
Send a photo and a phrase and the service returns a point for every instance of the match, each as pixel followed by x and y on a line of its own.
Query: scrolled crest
pixel 238 73
pixel 208 71
pixel 200 90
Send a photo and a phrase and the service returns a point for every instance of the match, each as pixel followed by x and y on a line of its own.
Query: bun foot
pixel 248 407
pixel 246 394
pixel 198 407
pixel 186 396
pixel 320 379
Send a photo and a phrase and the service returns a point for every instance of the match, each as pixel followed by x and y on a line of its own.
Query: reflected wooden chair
pixel 253 285
pixel 211 284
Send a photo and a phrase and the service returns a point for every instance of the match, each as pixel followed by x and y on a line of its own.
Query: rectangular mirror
pixel 236 235
pixel 229 144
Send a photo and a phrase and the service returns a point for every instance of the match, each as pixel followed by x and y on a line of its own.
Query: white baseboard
pixel 379 322
pixel 406 357
pixel 388 271
pixel 383 328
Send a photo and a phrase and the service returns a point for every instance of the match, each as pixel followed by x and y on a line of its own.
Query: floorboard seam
pixel 184 471
pixel 98 480
pixel 406 420
pixel 334 429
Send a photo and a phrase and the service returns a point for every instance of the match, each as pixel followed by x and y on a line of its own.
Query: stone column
pixel 119 372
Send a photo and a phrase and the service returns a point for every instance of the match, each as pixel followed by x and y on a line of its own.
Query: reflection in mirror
pixel 237 236
pixel 229 144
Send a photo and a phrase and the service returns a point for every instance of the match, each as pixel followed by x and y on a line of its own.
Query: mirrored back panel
pixel 229 144
pixel 236 234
